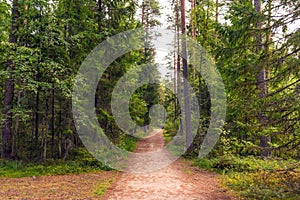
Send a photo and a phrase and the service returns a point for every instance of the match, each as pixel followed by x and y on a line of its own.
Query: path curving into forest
pixel 178 181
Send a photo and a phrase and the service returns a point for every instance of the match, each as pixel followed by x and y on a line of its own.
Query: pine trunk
pixel 263 87
pixel 187 104
pixel 9 89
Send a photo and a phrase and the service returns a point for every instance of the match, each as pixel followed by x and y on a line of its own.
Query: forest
pixel 253 45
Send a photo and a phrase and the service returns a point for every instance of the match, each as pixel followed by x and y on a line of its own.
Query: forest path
pixel 178 181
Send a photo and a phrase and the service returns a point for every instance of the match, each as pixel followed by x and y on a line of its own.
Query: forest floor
pixel 81 186
pixel 178 181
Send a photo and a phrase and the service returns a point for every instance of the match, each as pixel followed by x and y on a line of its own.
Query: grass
pixel 102 188
pixel 81 162
pixel 187 171
pixel 17 169
pixel 254 178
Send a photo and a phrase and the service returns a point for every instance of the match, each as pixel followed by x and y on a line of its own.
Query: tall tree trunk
pixel 44 139
pixel 178 63
pixel 9 88
pixel 143 13
pixel 52 124
pixel 193 31
pixel 37 120
pixel 100 7
pixel 263 87
pixel 175 69
pixel 187 104
pixel 193 18
pixel 100 15
pixel 60 130
pixel 175 62
pixel 16 130
pixel 217 19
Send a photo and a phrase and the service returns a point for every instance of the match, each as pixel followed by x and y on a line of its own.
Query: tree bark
pixel 52 124
pixel 9 88
pixel 217 19
pixel 100 15
pixel 37 101
pixel 178 64
pixel 187 107
pixel 263 88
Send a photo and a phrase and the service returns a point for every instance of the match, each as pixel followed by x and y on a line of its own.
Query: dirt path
pixel 178 181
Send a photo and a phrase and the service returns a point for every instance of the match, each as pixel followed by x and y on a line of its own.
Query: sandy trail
pixel 178 181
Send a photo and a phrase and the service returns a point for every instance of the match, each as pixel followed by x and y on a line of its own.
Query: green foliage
pixel 17 169
pixel 127 142
pixel 170 129
pixel 265 184
pixel 4 20
pixel 53 39
pixel 254 178
pixel 83 157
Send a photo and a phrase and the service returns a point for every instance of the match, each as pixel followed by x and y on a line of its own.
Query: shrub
pixel 254 178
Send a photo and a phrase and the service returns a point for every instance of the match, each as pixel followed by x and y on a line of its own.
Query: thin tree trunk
pixel 193 26
pixel 37 101
pixel 60 129
pixel 187 107
pixel 175 55
pixel 178 64
pixel 193 18
pixel 9 89
pixel 175 62
pixel 52 120
pixel 15 135
pixel 143 13
pixel 44 140
pixel 217 18
pixel 263 88
pixel 100 16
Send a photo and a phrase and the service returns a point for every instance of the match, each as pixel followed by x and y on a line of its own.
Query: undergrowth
pixel 254 178
pixel 127 143
pixel 80 161
pixel 18 169
pixel 102 187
